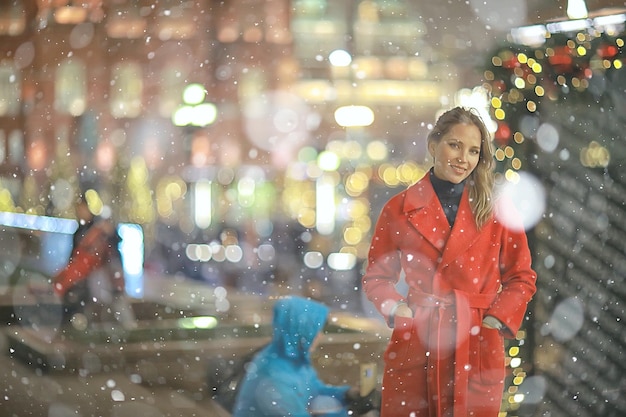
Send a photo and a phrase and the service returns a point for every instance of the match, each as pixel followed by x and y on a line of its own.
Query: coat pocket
pixel 405 350
pixel 487 356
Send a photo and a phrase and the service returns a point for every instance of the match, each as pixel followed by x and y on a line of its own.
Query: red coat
pixel 456 276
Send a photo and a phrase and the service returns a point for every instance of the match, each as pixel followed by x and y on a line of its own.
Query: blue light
pixel 132 250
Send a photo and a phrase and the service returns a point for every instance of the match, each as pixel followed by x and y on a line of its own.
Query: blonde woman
pixel 469 280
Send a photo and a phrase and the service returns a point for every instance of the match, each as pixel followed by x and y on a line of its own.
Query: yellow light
pixel 514 351
pixel 496 103
pixel 306 217
pixel 522 58
pixel 356 183
pixel 581 51
pixel 537 68
pixel 377 150
pixel 352 235
pixel 512 176
pixel 499 114
pixel 539 91
pixel 389 176
pixel 618 64
pixel 94 202
pixel 358 208
pixel 364 223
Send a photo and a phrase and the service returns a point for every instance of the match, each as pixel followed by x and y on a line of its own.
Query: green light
pixel 199 322
pixel 194 94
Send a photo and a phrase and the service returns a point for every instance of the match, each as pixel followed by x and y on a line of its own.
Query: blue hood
pixel 296 323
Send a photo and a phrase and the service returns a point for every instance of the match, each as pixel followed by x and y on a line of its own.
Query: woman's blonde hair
pixel 481 180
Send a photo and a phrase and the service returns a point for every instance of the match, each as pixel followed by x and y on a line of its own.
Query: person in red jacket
pixel 469 280
pixel 95 256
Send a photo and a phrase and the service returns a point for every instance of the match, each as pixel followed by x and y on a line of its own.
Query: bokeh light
pixel 521 201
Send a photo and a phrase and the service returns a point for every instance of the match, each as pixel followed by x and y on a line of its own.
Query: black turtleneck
pixel 449 195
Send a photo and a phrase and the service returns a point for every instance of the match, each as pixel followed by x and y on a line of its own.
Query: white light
pixel 328 161
pixel 341 261
pixel 204 114
pixel 202 204
pixel 314 259
pixel 530 35
pixel 567 26
pixel 234 253
pixel 477 98
pixel 522 203
pixel 266 252
pixel 611 20
pixel 339 58
pixel 183 116
pixel 201 115
pixel 353 116
pixel 577 9
pixel 325 205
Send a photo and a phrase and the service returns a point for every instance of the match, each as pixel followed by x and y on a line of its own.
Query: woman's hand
pixel 403 310
pixel 490 322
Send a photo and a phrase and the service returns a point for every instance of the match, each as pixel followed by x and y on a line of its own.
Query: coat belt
pixel 463 302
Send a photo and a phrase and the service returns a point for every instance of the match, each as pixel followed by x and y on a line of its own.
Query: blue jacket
pixel 281 380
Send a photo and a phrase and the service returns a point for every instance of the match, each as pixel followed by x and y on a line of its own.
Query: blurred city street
pixel 163 367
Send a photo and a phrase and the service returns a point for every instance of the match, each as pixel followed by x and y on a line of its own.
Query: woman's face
pixel 457 153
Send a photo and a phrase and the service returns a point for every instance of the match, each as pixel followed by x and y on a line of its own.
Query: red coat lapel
pixel 425 213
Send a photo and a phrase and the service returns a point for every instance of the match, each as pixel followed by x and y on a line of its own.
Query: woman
pixel 281 380
pixel 469 280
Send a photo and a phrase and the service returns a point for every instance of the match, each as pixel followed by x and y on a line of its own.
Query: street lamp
pixel 577 9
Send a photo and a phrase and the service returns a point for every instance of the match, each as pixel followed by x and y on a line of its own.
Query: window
pixel 16 147
pixel 10 87
pixel 12 18
pixel 126 90
pixel 71 88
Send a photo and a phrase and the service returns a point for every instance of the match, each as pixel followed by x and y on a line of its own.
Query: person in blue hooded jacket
pixel 281 380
